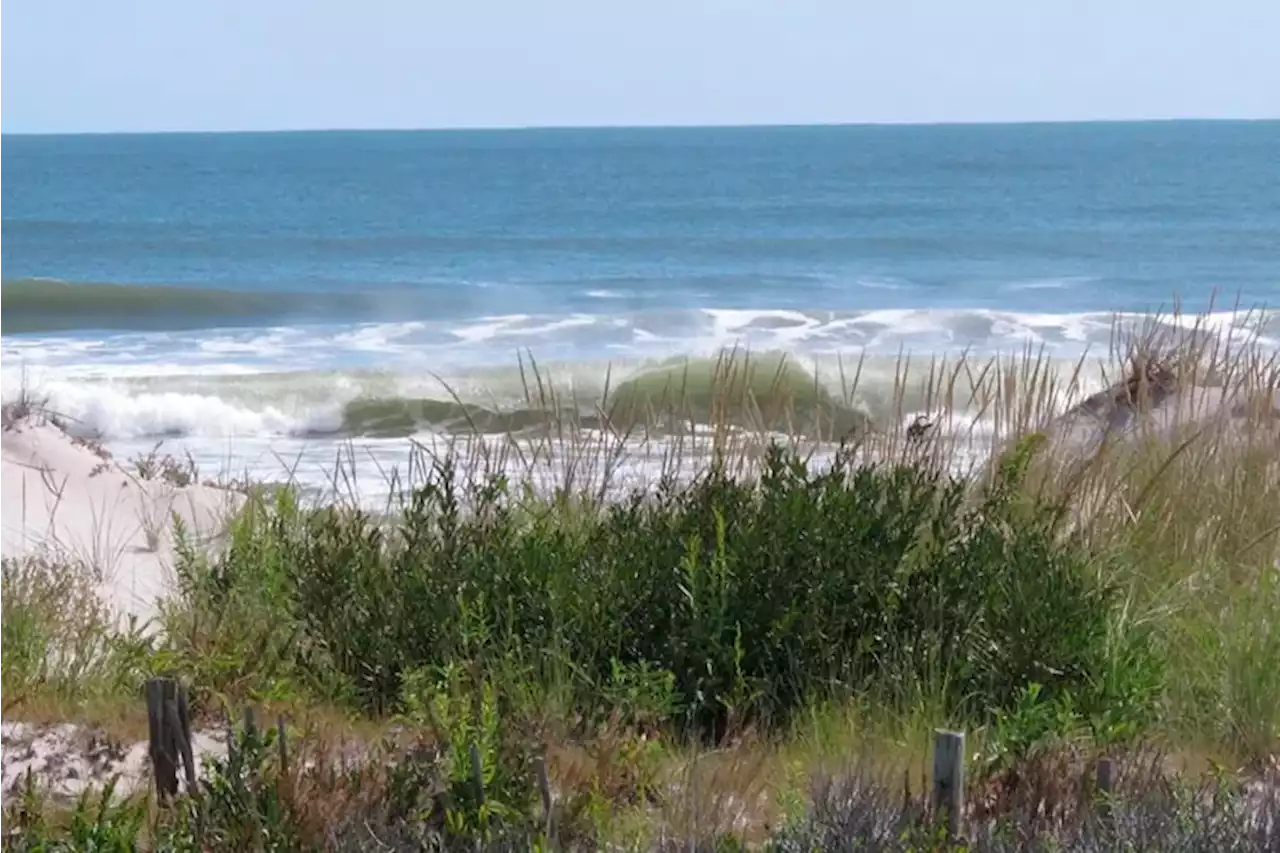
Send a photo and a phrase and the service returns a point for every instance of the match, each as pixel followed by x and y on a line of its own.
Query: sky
pixel 161 65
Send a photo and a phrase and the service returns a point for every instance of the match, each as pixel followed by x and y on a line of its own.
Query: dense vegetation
pixel 693 614
pixel 1129 606
pixel 705 607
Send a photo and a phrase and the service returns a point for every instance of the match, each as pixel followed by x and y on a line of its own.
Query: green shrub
pixel 59 639
pixel 746 598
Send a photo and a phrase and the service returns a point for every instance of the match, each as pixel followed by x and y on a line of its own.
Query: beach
pixel 501 274
pixel 345 348
pixel 620 486
pixel 67 503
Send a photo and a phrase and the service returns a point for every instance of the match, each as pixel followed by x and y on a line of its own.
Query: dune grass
pixel 688 653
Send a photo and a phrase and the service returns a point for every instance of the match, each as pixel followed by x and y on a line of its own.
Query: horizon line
pixel 499 128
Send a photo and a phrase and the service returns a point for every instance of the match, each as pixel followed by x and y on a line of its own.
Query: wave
pixel 771 390
pixel 51 305
pixel 456 376
pixel 597 318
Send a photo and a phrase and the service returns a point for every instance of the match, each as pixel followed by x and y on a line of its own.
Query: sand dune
pixel 63 499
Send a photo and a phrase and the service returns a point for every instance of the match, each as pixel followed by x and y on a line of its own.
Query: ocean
pixel 257 299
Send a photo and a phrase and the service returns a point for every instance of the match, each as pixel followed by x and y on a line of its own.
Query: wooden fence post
pixel 544 788
pixel 1105 782
pixel 169 736
pixel 477 773
pixel 948 778
pixel 250 720
pixel 283 744
pixel 249 730
pixel 180 712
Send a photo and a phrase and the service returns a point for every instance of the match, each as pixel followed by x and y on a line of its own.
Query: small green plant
pixel 641 695
pixel 59 639
pixel 166 468
pixel 101 823
pixel 487 785
pixel 1035 722
pixel 231 629
pixel 244 801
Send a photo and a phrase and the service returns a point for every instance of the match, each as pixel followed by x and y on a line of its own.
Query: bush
pixel 59 639
pixel 402 801
pixel 751 598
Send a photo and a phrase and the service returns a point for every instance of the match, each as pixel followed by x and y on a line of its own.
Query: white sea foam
pixel 272 343
pixel 269 393
pixel 883 283
pixel 381 337
pixel 494 340
pixel 1050 283
pixel 282 405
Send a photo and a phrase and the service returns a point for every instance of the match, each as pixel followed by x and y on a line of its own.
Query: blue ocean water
pixel 253 285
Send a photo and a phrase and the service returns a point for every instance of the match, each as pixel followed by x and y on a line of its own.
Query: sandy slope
pixel 69 759
pixel 62 498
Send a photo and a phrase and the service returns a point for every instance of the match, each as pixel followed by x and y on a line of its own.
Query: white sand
pixel 62 499
pixel 67 760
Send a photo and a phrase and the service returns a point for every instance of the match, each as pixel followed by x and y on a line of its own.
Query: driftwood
pixel 1161 399
pixel 1147 385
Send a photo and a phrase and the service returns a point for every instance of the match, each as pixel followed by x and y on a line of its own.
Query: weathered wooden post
pixel 250 717
pixel 544 788
pixel 250 721
pixel 181 722
pixel 284 744
pixel 477 774
pixel 249 730
pixel 169 736
pixel 233 754
pixel 1105 782
pixel 163 759
pixel 948 778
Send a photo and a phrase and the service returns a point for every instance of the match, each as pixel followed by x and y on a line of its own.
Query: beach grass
pixel 756 644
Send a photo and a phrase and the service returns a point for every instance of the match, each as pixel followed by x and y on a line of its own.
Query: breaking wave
pixel 49 305
pixel 734 387
pixel 462 375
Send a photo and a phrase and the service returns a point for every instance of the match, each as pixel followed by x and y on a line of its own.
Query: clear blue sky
pixel 116 65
